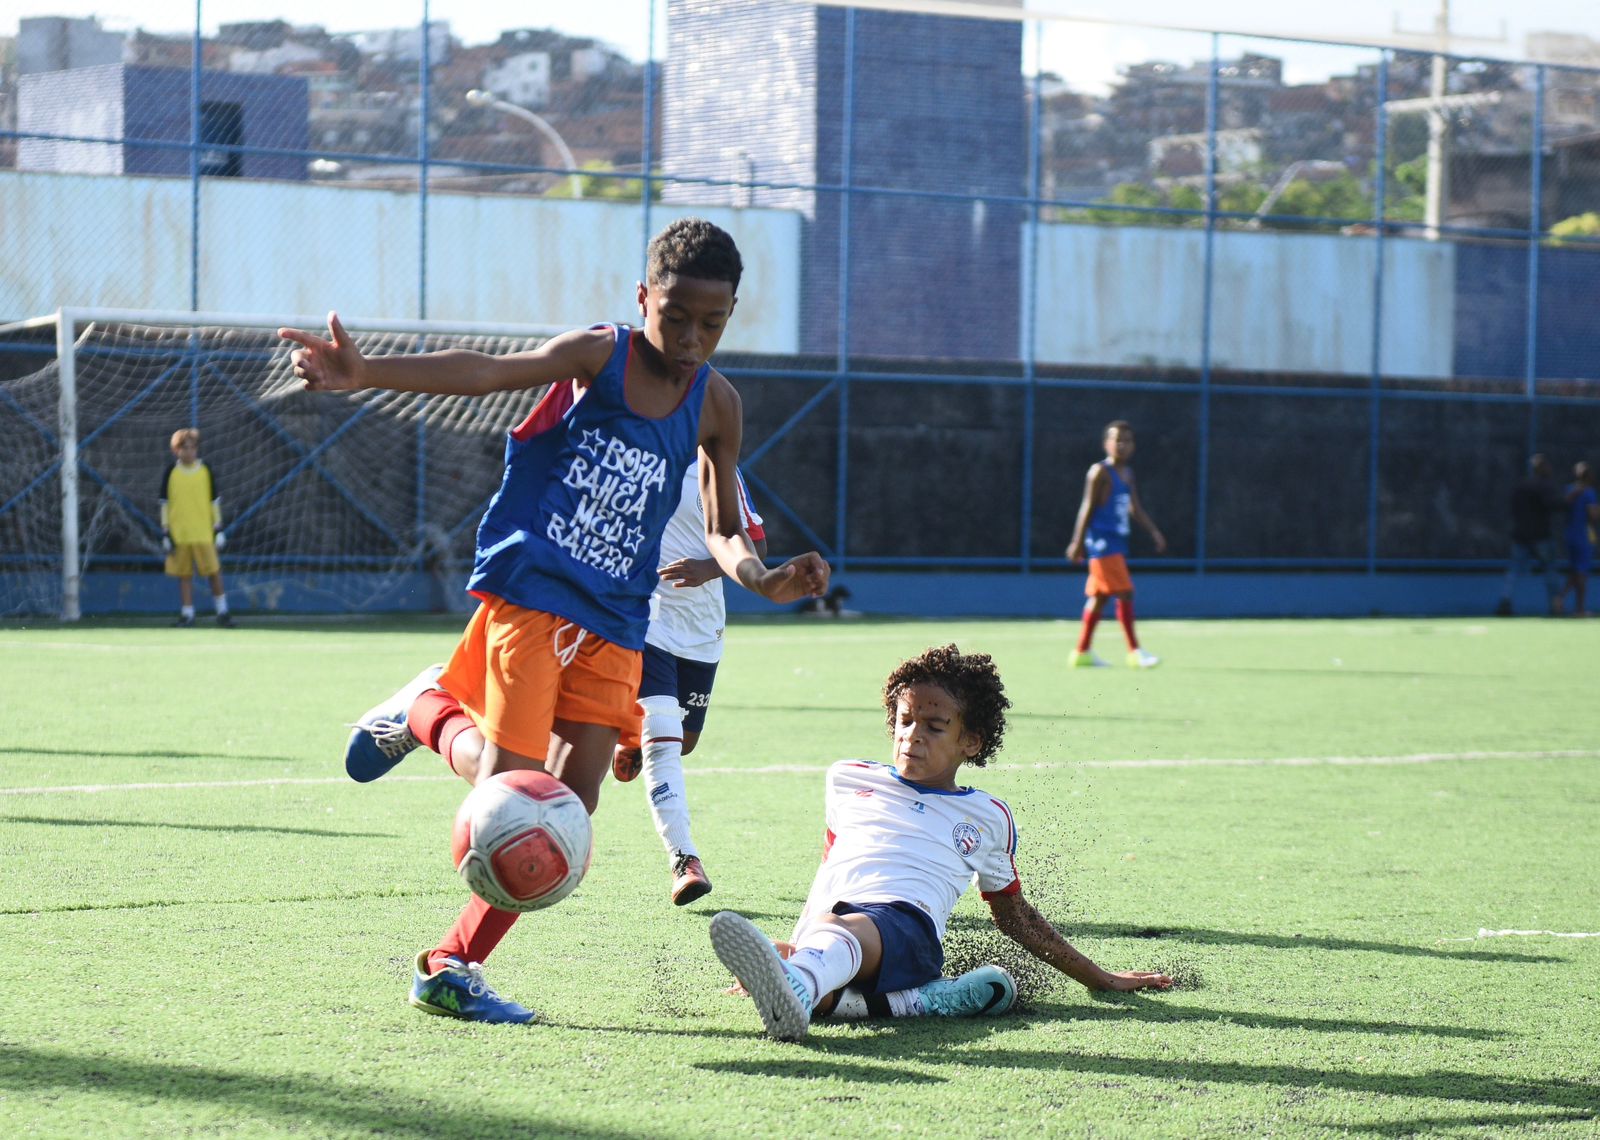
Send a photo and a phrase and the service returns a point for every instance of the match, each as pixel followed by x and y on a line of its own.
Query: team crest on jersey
pixel 966 837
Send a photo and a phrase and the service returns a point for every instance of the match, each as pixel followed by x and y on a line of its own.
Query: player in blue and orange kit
pixel 1110 504
pixel 547 670
pixel 1583 513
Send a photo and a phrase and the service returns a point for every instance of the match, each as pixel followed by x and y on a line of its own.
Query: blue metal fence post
pixel 1030 300
pixel 841 378
pixel 1380 211
pixel 194 164
pixel 424 110
pixel 1535 237
pixel 1203 450
pixel 647 156
pixel 424 154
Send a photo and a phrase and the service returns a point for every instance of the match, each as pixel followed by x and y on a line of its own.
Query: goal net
pixel 363 501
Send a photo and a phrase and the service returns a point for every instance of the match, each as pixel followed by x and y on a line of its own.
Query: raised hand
pixel 1124 981
pixel 686 572
pixel 331 365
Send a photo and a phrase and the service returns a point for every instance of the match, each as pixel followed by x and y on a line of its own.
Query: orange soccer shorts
pixel 517 671
pixel 1108 576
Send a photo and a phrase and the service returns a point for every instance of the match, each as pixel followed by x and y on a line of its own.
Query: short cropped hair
pixel 183 436
pixel 693 247
pixel 972 681
pixel 1116 425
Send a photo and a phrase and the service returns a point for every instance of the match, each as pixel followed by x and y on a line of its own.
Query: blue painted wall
pixel 758 89
pixel 275 111
pixel 1492 312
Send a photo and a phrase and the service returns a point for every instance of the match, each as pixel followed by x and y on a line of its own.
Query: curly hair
pixel 970 678
pixel 693 247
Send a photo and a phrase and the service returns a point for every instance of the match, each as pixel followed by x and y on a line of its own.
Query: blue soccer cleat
pixel 457 990
pixel 982 992
pixel 380 739
pixel 783 998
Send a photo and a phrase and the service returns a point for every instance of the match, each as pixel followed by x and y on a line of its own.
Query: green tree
pixel 1580 230
pixel 599 182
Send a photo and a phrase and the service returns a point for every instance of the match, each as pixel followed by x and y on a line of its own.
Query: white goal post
pixel 122 379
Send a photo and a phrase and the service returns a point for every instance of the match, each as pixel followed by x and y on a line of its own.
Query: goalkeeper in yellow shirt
pixel 191 526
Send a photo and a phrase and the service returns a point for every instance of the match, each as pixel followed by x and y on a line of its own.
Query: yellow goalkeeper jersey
pixel 190 507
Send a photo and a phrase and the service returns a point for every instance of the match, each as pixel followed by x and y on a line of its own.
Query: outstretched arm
pixel 335 364
pixel 1019 921
pixel 1096 485
pixel 721 432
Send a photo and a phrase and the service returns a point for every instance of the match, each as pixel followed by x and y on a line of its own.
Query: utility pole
pixel 1438 190
pixel 1438 105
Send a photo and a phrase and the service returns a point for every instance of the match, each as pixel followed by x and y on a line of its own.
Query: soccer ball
pixel 522 840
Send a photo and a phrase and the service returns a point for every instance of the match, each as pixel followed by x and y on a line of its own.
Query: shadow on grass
pixel 230 828
pixel 1354 671
pixel 1433 1125
pixel 1202 936
pixel 1436 1084
pixel 280 1100
pixel 1124 1007
pixel 98 753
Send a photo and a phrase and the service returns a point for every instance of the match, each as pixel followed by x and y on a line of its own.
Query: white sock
pixel 906 1003
pixel 851 1006
pixel 186 611
pixel 662 738
pixel 829 957
pixel 220 601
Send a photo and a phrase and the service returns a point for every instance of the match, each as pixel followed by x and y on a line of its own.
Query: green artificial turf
pixel 208 930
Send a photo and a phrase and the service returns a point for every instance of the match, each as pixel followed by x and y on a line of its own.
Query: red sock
pixel 1125 616
pixel 1091 618
pixel 436 719
pixel 478 931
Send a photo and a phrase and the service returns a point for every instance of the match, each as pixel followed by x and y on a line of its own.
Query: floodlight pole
pixel 480 98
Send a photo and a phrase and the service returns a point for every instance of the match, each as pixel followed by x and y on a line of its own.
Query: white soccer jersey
pixel 688 622
pixel 890 840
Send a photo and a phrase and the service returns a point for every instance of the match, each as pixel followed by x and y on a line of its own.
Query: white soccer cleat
pixel 782 997
pixel 1139 659
pixel 1086 659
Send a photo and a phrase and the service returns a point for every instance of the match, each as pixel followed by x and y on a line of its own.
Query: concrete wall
pixel 1126 295
pixel 272 247
pixel 1113 296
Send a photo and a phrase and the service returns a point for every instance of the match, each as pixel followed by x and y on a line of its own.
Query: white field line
pixel 1485 933
pixel 818 769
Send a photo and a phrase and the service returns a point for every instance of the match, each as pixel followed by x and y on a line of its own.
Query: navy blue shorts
pixel 667 675
pixel 912 955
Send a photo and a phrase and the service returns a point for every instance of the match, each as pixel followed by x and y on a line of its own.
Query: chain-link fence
pixel 1341 304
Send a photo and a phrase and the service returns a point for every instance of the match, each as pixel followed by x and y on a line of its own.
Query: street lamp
pixel 1304 168
pixel 479 98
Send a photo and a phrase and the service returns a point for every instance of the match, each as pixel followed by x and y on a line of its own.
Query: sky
pixel 1086 54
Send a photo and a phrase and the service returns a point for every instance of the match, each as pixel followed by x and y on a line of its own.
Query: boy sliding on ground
pixel 903 842
pixel 682 648
pixel 547 670
pixel 1101 531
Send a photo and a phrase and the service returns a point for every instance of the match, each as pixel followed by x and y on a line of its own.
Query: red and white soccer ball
pixel 522 840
